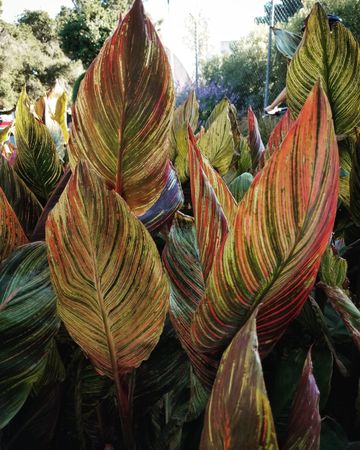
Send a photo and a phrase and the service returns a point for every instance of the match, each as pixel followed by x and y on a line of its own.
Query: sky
pixel 227 19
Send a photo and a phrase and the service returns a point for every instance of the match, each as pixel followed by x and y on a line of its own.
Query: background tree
pixel 41 24
pixel 84 28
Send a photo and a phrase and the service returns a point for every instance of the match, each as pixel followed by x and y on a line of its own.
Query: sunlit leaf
pixel 331 55
pixel 278 134
pixel 60 115
pixel 123 110
pixel 238 414
pixel 37 162
pixel 11 233
pixel 107 273
pixel 283 223
pixel 28 323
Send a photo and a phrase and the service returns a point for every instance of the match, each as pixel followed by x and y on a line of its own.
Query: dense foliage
pixel 166 285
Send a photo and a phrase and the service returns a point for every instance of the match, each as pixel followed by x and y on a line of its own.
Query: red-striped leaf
pixel 254 139
pixel 272 254
pixel 123 110
pixel 305 421
pixel 11 233
pixel 238 414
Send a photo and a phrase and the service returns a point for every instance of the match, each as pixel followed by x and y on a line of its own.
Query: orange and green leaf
pixel 272 254
pixel 238 415
pixel 123 110
pixel 278 134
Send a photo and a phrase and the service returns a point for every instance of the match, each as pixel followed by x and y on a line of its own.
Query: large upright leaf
pixel 187 114
pixel 123 110
pixel 238 414
pixel 11 233
pixel 305 421
pixel 272 254
pixel 27 324
pixel 333 56
pixel 218 143
pixel 37 162
pixel 22 200
pixel 107 273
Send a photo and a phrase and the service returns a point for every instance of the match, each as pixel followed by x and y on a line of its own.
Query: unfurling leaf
pixel 240 185
pixel 112 293
pixel 333 56
pixel 256 145
pixel 282 226
pixel 11 233
pixel 37 162
pixel 286 42
pixel 238 414
pixel 123 110
pixel 305 421
pixel 28 323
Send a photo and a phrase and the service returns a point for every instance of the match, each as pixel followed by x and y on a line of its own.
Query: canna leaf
pixel 5 133
pixel 278 134
pixel 22 200
pixel 305 421
pixel 286 42
pixel 11 233
pixel 346 148
pixel 355 182
pixel 240 185
pixel 182 262
pixel 272 254
pixel 255 142
pixel 238 415
pixel 218 143
pixel 123 110
pixel 60 115
pixel 187 114
pixel 106 271
pixel 333 57
pixel 36 161
pixel 28 323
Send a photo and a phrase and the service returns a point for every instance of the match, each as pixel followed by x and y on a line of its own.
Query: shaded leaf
pixel 286 42
pixel 240 185
pixel 36 160
pixel 331 55
pixel 22 200
pixel 305 421
pixel 333 268
pixel 123 110
pixel 332 437
pixel 238 415
pixel 28 323
pixel 256 145
pixel 106 271
pixel 11 233
pixel 355 182
pixel 272 254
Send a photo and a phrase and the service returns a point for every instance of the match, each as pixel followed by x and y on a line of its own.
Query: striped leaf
pixel 256 145
pixel 106 271
pixel 218 143
pixel 272 254
pixel 346 149
pixel 22 200
pixel 60 115
pixel 187 114
pixel 286 42
pixel 182 262
pixel 27 324
pixel 240 185
pixel 355 182
pixel 123 110
pixel 11 233
pixel 333 56
pixel 305 421
pixel 37 162
pixel 278 134
pixel 238 415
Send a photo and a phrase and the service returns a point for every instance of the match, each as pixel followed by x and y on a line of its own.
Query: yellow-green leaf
pixel 333 57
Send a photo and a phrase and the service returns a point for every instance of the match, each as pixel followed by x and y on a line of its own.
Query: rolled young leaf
pixel 11 233
pixel 305 421
pixel 28 323
pixel 333 56
pixel 240 185
pixel 24 203
pixel 272 254
pixel 256 145
pixel 123 110
pixel 37 162
pixel 105 268
pixel 238 415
